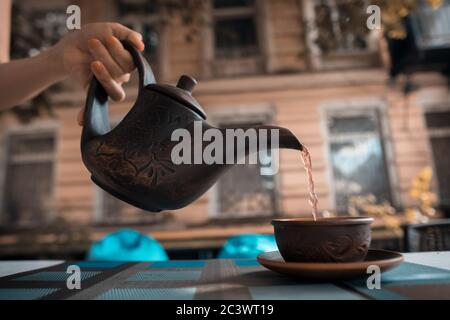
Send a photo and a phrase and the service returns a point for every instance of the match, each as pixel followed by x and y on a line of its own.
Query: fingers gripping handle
pixel 96 117
pixel 146 76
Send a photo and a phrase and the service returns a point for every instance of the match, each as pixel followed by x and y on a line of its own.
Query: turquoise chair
pixel 247 246
pixel 127 245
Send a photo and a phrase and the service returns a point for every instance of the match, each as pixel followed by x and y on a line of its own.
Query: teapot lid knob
pixel 181 93
pixel 186 83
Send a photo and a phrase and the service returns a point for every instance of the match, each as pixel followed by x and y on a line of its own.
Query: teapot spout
pixel 287 140
pixel 256 138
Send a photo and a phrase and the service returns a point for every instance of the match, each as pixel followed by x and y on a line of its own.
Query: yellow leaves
pixel 428 198
pixel 421 183
pixel 426 173
pixel 393 11
pixel 421 191
pixel 410 215
pixel 414 216
pixel 435 4
pixel 399 33
pixel 392 222
pixel 414 193
pixel 367 205
pixel 403 12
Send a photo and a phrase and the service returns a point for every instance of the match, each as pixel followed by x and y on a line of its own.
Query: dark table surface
pixel 421 276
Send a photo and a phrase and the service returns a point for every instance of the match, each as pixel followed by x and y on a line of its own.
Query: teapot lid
pixel 182 93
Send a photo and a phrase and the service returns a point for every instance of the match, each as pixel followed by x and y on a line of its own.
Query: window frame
pixel 355 107
pixel 432 100
pixel 50 127
pixel 101 218
pixel 210 63
pixel 243 113
pixel 235 13
pixel 334 60
pixel 160 67
pixel 435 107
pixel 42 7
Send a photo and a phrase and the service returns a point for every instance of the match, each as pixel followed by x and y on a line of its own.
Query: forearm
pixel 23 79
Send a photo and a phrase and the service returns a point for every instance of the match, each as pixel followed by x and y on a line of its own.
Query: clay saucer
pixel 331 270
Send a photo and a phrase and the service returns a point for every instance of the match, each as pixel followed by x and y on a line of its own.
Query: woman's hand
pixel 96 49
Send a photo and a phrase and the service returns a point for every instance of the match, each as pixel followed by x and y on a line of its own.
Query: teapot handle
pixel 96 117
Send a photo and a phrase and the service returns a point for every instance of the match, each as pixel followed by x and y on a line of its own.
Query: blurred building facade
pixel 257 62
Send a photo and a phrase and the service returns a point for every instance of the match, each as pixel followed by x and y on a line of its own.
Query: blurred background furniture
pixel 247 246
pixel 433 236
pixel 127 245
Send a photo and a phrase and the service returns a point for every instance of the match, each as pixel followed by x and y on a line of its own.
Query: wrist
pixel 53 60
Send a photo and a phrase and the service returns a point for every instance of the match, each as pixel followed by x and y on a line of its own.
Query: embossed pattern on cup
pixel 339 239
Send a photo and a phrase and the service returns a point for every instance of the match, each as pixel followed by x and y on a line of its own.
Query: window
pixel 115 211
pixel 28 185
pixel 36 28
pixel 235 34
pixel 438 123
pixel 242 191
pixel 341 25
pixel 357 157
pixel 137 7
pixel 235 29
pixel 142 16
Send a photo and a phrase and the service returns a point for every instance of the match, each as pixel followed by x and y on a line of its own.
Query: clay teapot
pixel 133 161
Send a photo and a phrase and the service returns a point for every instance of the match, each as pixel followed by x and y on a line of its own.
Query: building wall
pixel 5 14
pixel 286 32
pixel 297 99
pixel 298 103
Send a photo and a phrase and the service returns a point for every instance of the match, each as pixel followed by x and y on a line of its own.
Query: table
pixel 422 276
